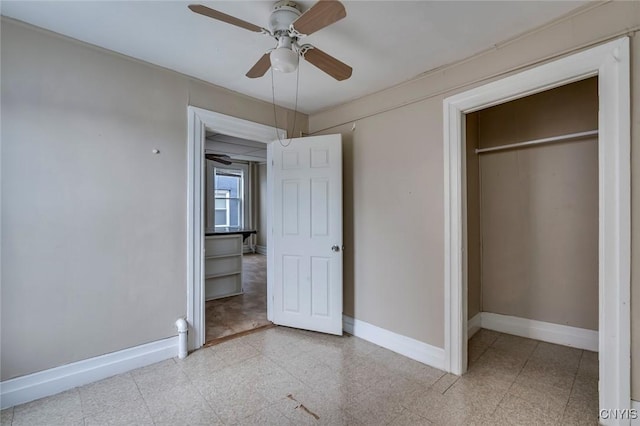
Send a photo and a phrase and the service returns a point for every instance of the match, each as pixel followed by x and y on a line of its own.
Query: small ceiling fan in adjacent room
pixel 218 158
pixel 288 25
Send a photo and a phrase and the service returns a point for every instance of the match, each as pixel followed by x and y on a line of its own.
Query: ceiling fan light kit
pixel 283 58
pixel 287 25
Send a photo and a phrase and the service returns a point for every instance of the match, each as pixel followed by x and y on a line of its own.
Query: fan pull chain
pixel 295 110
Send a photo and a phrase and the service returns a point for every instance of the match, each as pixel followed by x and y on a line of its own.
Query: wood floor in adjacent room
pixel 237 314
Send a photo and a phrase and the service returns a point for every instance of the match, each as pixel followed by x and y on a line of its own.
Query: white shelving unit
pixel 222 266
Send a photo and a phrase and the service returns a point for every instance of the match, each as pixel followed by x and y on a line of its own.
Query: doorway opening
pixel 304 223
pixel 201 121
pixel 235 258
pixel 610 63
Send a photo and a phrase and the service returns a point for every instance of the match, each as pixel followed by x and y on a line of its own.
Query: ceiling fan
pixel 288 25
pixel 218 158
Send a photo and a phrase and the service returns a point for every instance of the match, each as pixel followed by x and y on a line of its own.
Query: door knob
pixel 335 248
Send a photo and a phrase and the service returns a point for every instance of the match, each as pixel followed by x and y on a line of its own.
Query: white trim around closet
pixel 474 325
pixel 611 63
pixel 575 337
pixel 635 413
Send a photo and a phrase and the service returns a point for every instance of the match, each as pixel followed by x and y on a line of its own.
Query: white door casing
pixel 611 63
pixel 198 120
pixel 306 244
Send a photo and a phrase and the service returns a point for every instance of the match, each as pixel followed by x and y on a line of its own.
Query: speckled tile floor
pixel 282 376
pixel 248 311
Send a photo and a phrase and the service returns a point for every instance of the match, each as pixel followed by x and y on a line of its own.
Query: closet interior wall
pixel 474 243
pixel 532 212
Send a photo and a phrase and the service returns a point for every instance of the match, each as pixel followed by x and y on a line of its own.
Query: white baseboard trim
pixel 474 325
pixel 545 331
pixel 411 348
pixel 55 380
pixel 635 405
pixel 261 250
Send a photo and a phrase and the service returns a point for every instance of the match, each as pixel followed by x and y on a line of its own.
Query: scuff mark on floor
pixel 317 417
pixel 305 409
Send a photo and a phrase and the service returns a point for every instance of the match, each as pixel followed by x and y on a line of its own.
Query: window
pixel 228 197
pixel 222 211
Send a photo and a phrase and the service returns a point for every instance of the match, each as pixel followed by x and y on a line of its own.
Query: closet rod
pixel 539 141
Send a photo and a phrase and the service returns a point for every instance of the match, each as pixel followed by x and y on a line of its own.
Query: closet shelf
pixel 552 139
pixel 225 274
pixel 221 256
pixel 223 265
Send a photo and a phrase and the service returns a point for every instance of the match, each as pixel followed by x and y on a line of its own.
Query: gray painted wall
pixel 397 285
pixel 93 223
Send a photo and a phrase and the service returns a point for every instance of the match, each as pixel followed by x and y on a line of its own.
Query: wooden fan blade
pixel 327 63
pixel 211 13
pixel 219 158
pixel 321 14
pixel 261 67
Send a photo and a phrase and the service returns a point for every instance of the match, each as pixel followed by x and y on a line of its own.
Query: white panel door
pixel 307 233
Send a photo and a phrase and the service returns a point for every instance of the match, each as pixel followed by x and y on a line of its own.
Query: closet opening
pixel 235 216
pixel 532 246
pixel 610 63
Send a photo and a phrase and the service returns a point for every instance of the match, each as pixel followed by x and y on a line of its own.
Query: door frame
pixel 198 120
pixel 611 63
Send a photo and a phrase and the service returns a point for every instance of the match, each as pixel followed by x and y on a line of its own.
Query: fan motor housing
pixel 282 16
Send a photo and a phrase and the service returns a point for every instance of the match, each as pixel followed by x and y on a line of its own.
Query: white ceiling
pixel 386 42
